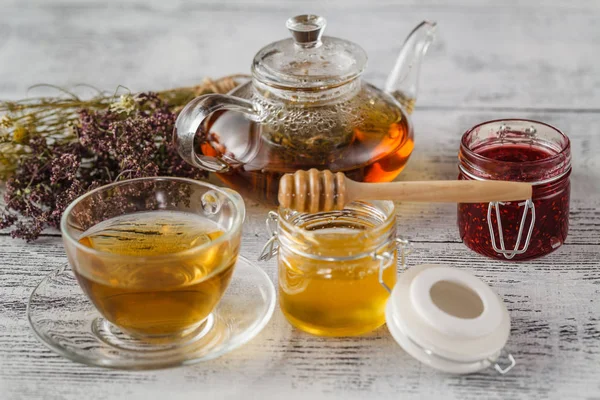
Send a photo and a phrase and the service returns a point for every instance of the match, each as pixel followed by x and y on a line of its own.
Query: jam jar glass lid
pixel 308 60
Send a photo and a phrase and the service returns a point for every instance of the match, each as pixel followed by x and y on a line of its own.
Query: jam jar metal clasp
pixel 508 254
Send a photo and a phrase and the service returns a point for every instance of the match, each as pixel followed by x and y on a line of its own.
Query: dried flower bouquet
pixel 54 149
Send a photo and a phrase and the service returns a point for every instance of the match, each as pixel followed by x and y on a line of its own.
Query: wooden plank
pixel 493 59
pixel 555 332
pixel 265 5
pixel 499 55
pixel 556 339
pixel 437 138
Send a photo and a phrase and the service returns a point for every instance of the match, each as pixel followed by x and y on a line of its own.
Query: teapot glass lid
pixel 308 60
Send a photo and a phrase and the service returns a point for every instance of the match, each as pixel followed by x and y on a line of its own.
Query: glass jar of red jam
pixel 525 151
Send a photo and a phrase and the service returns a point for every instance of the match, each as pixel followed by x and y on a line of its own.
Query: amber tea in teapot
pixel 374 147
pixel 306 107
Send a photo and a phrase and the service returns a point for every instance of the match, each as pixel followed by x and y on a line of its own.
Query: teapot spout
pixel 403 82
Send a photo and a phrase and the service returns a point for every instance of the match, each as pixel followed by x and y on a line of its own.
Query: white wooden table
pixel 491 60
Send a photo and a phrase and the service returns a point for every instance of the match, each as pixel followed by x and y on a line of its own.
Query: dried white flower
pixel 6 122
pixel 126 104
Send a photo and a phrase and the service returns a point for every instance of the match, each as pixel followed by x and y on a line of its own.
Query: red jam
pixel 546 165
pixel 514 153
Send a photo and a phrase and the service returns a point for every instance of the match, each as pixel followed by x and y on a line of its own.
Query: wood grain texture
pixel 490 53
pixel 492 60
pixel 555 337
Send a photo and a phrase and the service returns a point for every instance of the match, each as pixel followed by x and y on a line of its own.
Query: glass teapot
pixel 306 107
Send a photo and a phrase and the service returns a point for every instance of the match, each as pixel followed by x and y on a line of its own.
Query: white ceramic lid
pixel 447 318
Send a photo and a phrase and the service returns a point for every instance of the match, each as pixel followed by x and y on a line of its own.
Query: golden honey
pixel 329 266
pixel 156 273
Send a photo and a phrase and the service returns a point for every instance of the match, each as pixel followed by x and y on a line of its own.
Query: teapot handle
pixel 191 119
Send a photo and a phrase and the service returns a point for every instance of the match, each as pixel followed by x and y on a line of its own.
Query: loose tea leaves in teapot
pixel 307 131
pixel 377 150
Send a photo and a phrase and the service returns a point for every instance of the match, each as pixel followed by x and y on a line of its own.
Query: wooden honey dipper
pixel 313 191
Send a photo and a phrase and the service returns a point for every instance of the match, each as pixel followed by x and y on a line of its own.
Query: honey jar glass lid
pixel 308 60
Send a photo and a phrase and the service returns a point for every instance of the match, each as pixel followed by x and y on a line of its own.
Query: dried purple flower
pixel 130 140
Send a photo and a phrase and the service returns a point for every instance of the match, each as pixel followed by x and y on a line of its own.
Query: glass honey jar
pixel 525 151
pixel 334 267
pixel 337 277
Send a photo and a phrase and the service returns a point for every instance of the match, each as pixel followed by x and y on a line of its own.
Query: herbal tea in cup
pixel 154 255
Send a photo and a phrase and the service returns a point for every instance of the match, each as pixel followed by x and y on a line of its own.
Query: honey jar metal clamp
pixel 271 248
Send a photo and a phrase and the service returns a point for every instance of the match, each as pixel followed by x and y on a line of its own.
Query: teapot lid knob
pixel 308 59
pixel 306 29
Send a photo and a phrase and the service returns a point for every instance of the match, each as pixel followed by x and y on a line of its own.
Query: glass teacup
pixel 154 255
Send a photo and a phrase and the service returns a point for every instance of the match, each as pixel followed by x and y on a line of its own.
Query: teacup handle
pixel 191 120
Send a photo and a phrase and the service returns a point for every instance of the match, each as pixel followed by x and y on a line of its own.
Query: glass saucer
pixel 64 319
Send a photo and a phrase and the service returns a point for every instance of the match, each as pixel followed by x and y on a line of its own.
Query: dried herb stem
pixel 53 149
